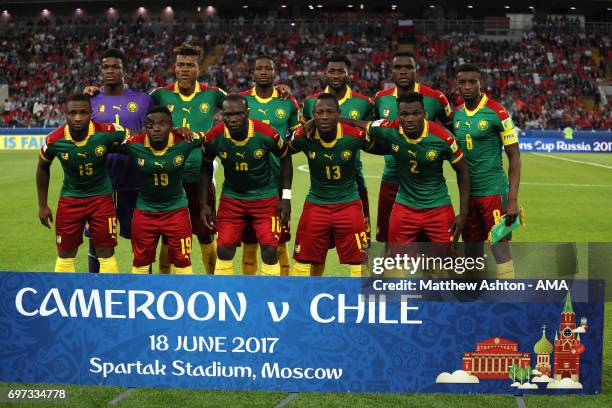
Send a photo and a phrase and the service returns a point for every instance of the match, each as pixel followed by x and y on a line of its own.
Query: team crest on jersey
pixel 386 113
pixel 171 107
pixel 178 160
pixel 346 155
pixel 431 155
pixel 483 124
pixel 101 108
pixel 63 156
pixel 204 107
pixel 258 154
pixel 223 155
pixel 100 150
pixel 280 113
pixel 354 114
pixel 457 124
pixel 312 155
pixel 395 148
pixel 132 106
pixel 141 162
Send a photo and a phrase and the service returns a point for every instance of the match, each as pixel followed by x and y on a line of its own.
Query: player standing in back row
pixel 482 127
pixel 403 72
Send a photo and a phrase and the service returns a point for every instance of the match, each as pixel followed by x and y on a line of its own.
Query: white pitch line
pixel 605 166
pixel 304 168
pixel 121 396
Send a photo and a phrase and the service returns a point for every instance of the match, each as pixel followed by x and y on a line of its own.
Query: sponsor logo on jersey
pixel 132 106
pixel 386 113
pixel 412 153
pixel 188 110
pixel 241 155
pixel 346 155
pixel 178 160
pixel 159 164
pixel 140 162
pixel 264 111
pixel 468 124
pixel 395 147
pixel 258 154
pixel 354 114
pixel 280 113
pixel 329 156
pixel 223 155
pixel 117 107
pixel 483 125
pixel 312 155
pixel 101 108
pixel 431 155
pixel 171 107
pixel 204 107
pixel 83 155
pixel 100 150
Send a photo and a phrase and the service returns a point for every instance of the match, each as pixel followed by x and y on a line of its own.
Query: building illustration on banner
pixel 500 358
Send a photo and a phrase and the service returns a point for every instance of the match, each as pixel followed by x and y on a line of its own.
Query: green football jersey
pixel 196 111
pixel 84 162
pixel 419 161
pixel 352 106
pixel 332 165
pixel 482 133
pixel 160 172
pixel 385 106
pixel 246 164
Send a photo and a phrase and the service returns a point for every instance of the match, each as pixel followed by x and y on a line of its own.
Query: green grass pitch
pixel 566 198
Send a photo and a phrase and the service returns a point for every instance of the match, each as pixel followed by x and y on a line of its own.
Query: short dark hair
pixel 188 49
pixel 159 109
pixel 404 54
pixel 467 68
pixel 264 56
pixel 79 97
pixel 340 58
pixel 410 97
pixel 234 97
pixel 325 96
pixel 114 53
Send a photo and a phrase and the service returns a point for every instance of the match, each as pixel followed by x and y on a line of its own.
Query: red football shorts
pixel 365 204
pixel 410 224
pixel 320 223
pixel 192 190
pixel 483 214
pixel 148 226
pixel 234 215
pixel 386 199
pixel 250 237
pixel 73 213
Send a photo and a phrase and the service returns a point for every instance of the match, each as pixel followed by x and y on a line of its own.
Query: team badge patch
pixel 100 150
pixel 395 148
pixel 346 155
pixel 101 108
pixel 386 113
pixel 431 155
pixel 204 107
pixel 132 106
pixel 280 113
pixel 171 107
pixel 258 154
pixel 354 114
pixel 141 162
pixel 312 155
pixel 457 124
pixel 223 155
pixel 483 124
pixel 178 160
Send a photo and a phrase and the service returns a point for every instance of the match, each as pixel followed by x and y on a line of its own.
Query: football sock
pixel 505 270
pixel 249 259
pixel 164 266
pixel 301 269
pixel 356 271
pixel 209 256
pixel 92 260
pixel 317 269
pixel 283 258
pixel 109 265
pixel 141 269
pixel 64 265
pixel 187 270
pixel 270 270
pixel 223 267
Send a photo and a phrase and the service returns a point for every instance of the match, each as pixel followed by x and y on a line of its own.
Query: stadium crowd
pixel 547 80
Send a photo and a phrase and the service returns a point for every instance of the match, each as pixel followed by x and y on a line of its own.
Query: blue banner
pixel 300 334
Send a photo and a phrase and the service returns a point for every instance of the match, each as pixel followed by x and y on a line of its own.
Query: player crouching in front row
pixel 81 145
pixel 249 192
